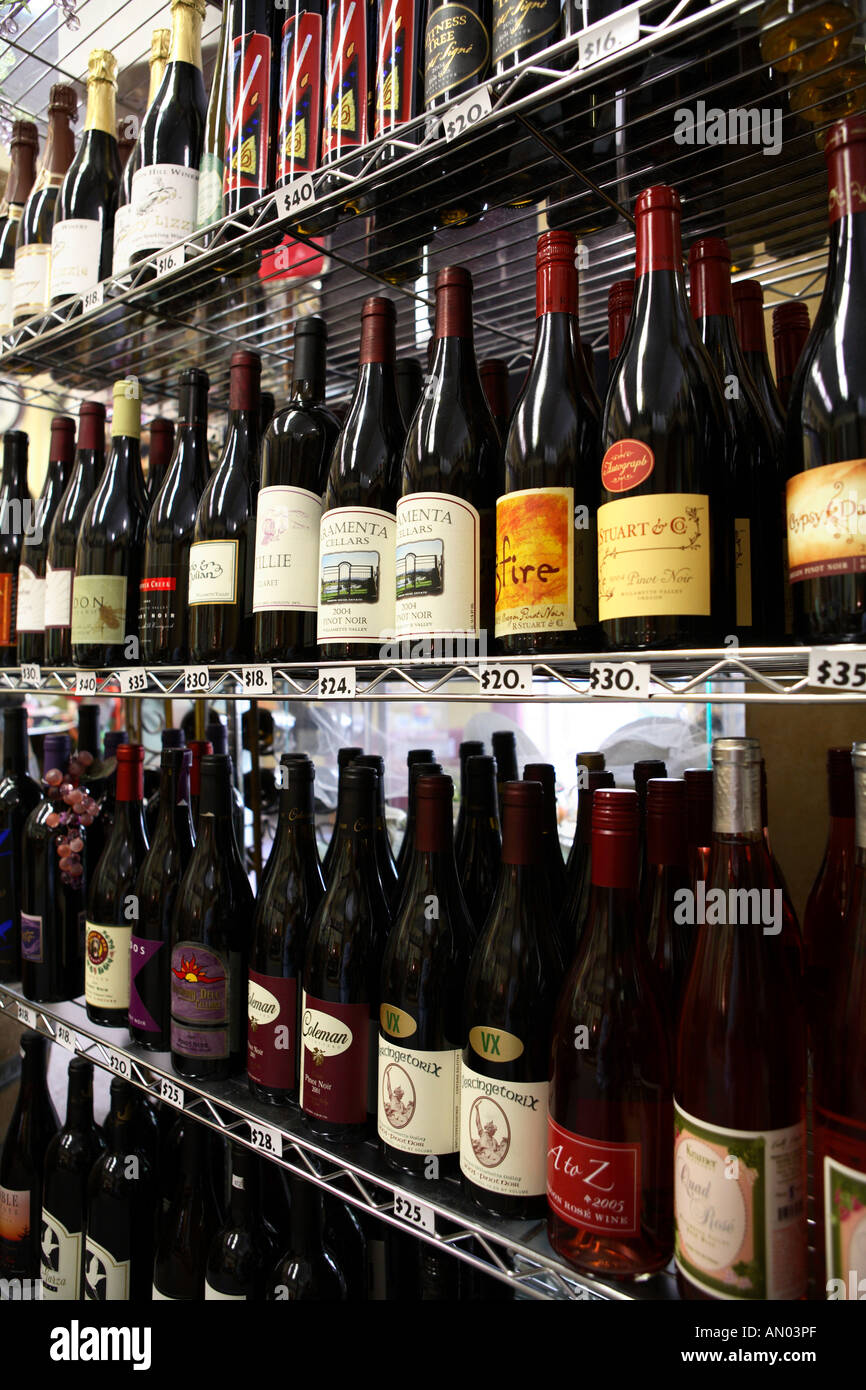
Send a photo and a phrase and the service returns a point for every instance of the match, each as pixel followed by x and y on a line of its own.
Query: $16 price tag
pixel 170 260
pixel 499 679
pixel 170 1091
pixel 266 1138
pixel 416 1214
pixel 295 196
pixel 838 668
pixel 337 683
pixel 257 680
pixel 609 36
pixel 467 113
pixel 629 679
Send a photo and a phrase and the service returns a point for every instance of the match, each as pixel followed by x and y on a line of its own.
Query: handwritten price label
pixel 118 1063
pixel 26 1015
pixel 170 1091
pixel 66 1037
pixel 628 679
pixel 295 196
pixel 338 683
pixel 416 1214
pixel 132 682
pixel 467 113
pixel 31 675
pixel 506 680
pixel 608 36
pixel 838 668
pixel 170 260
pixel 93 299
pixel 257 680
pixel 266 1138
pixel 85 683
pixel 196 680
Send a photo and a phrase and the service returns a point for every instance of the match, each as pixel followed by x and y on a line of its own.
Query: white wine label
pixel 164 202
pixel 287 550
pixel 418 1105
pixel 6 284
pixel 61 1259
pixel 209 207
pixel 106 966
pixel 503 1134
pixel 654 556
pixel 356 575
pixel 58 597
pixel 213 572
pixel 743 571
pixel 438 566
pixel 76 246
pixel 99 608
pixel 122 239
pixel 845 1227
pixel 210 1292
pixel 740 1209
pixel 30 616
pixel 106 1280
pixel 30 284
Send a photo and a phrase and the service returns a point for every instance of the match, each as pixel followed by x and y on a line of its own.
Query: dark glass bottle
pixel 13 518
pixel 103 784
pixel 188 1226
pixel 249 131
pixel 52 909
pixel 199 748
pixel 385 861
pixel 551 851
pixel 494 378
pixel 749 319
pixel 63 537
pixel 160 42
pixel 30 615
pixel 642 771
pixel 345 757
pixel 22 172
pixel 32 1126
pixel 159 454
pixel 216 733
pixel 143 1126
pixel 791 330
pixel 241 1253
pixel 298 126
pixel 308 1272
pixel 519 33
pixel 584 763
pixel 470 748
pixel 451 69
pixel 407 844
pixel 19 795
pixel 504 744
pixel 209 202
pixel 479 852
pixel 575 907
pixel 409 380
pixel 830 895
pixel 665 878
pixel 347 102
pixel 345 1239
pixel 119 1225
pixel 699 822
pixel 30 286
pixel 620 299
pixel 68 1160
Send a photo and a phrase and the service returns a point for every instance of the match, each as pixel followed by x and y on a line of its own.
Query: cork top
pixel 102 66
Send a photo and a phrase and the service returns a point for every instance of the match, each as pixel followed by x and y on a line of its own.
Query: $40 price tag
pixel 337 683
pixel 838 668
pixel 266 1138
pixel 85 683
pixel 629 679
pixel 416 1214
pixel 295 196
pixel 500 679
pixel 467 113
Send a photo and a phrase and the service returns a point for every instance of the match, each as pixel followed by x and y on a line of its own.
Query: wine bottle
pixel 520 32
pixel 156 890
pixel 791 936
pixel 445 516
pixel 30 611
pixel 749 320
pixel 19 795
pixel 739 1094
pixel 385 861
pixel 511 990
pixel 108 553
pixel 32 1127
pixel 14 498
pixel 420 1018
pixel 159 454
pixel 451 69
pixel 349 78
pixel 287 902
pixel 69 1158
pixel 63 536
pixel 470 748
pixel 840 1085
pixel 210 940
pixel 584 763
pixel 345 757
pixel 664 487
pixel 479 853
pixel 504 744
pixel 358 527
pixel 30 284
pixel 494 379
pixel 111 895
pixel 187 1228
pixel 791 330
pixel 126 131
pixel 299 116
pixel 642 771
pixel 551 851
pixel 753 457
pixel 826 429
pixel 119 1222
pixel 610 1068
pixel 308 1271
pixel 211 171
pixel 407 844
pixel 546 597
pixel 220 593
pixel 103 784
pixel 199 748
pixel 340 996
pixel 143 1128
pixel 241 1253
pixel 82 237
pixel 409 380
pixel 296 451
pixel 248 145
pixel 22 172
pixel 168 738
pixel 830 894
pixel 699 822
pixel 666 876
pixel 160 43
pixel 575 907
pixel 620 300
pixel 345 1239
pixel 163 615
pixel 217 735
pixel 165 181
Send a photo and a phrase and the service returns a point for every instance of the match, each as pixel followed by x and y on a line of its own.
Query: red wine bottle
pixel 249 147
pixel 479 854
pixel 791 330
pixel 494 378
pixel 409 379
pixel 520 32
pixel 32 1127
pixel 669 943
pixel 830 895
pixel 198 748
pixel 609 1174
pixel 68 1160
pixel 470 748
pixel 699 822
pixel 188 1226
pixel 22 172
pixel 308 1271
pixel 551 850
pixel 749 319
pixel 415 755
pixel 159 454
pixel 620 299
pixel 119 1224
pixel 160 43
pixel 583 763
pixel 63 537
pixel 242 1252
pixel 505 752
pixel 345 757
pixel 407 844
pixel 575 907
pixel 14 497
pixel 385 861
pixel 299 115
pixel 642 771
pixel 103 782
pixel 30 614
pixel 19 795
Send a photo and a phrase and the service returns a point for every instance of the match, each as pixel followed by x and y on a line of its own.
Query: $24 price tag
pixel 85 683
pixel 196 680
pixel 838 668
pixel 170 1091
pixel 295 196
pixel 416 1214
pixel 608 36
pixel 118 1063
pixel 499 679
pixel 467 113
pixel 266 1138
pixel 628 679
pixel 337 683
pixel 257 680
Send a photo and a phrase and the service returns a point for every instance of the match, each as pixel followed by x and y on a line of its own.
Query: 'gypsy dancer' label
pixel 272 1031
pixel 60 1269
pixel 344 126
pixel 287 550
pixel 99 608
pixel 826 521
pixel 300 114
pixel 335 1060
pixel 419 1097
pixel 503 1126
pixel 106 966
pixel 396 77
pixel 31 938
pixel 654 556
pixel 591 1184
pixel 201 1002
pixel 438 566
pixel 164 202
pixel 739 1209
pixel 845 1225
pixel 248 128
pixel 743 570
pixel 213 572
pixel 456 52
pixel 521 23
pixel 356 575
pixel 535 562
pixel 106 1280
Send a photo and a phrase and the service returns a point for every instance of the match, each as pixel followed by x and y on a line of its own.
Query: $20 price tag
pixel 628 679
pixel 120 1065
pixel 416 1214
pixel 838 668
pixel 499 679
pixel 266 1138
pixel 467 113
pixel 337 683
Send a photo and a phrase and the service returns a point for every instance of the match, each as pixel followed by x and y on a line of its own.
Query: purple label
pixel 194 1042
pixel 140 952
pixel 31 937
pixel 199 997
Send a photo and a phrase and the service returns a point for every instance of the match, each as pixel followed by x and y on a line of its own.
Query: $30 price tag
pixel 416 1214
pixel 196 680
pixel 257 680
pixel 170 1091
pixel 31 675
pixel 295 196
pixel 120 1065
pixel 337 683
pixel 838 668
pixel 628 679
pixel 266 1138
pixel 499 679
pixel 467 113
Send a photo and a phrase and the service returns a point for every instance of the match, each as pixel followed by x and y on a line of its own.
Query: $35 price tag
pixel 337 683
pixel 266 1138
pixel 132 682
pixel 170 1091
pixel 196 680
pixel 416 1214
pixel 467 113
pixel 628 679
pixel 257 680
pixel 499 679
pixel 295 196
pixel 838 668
pixel 120 1065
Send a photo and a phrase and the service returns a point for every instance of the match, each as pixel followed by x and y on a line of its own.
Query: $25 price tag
pixel 416 1214
pixel 170 1091
pixel 500 679
pixel 266 1138
pixel 337 683
pixel 467 113
pixel 838 668
pixel 295 196
pixel 628 679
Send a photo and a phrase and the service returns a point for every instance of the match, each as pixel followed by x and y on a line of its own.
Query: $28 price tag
pixel 838 668
pixel 31 674
pixel 266 1138
pixel 118 1063
pixel 295 196
pixel 416 1214
pixel 257 680
pixel 499 679
pixel 608 36
pixel 85 683
pixel 337 683
pixel 170 1091
pixel 196 680
pixel 26 1015
pixel 467 113
pixel 132 682
pixel 67 1037
pixel 628 679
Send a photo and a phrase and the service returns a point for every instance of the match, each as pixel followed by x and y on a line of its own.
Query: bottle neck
pixel 749 314
pixel 185 35
pixel 59 144
pixel 307 1218
pixel 100 107
pixel 22 174
pixel 554 344
pixel 242 1201
pixel 308 390
pixel 79 1103
pixel 296 819
pixel 14 480
pixel 737 801
pixel 615 861
pixel 242 441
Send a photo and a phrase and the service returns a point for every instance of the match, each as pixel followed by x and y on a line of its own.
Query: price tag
pixel 295 196
pixel 67 1037
pixel 838 668
pixel 170 1091
pixel 132 682
pixel 118 1063
pixel 85 683
pixel 266 1138
pixel 257 680
pixel 608 36
pixel 170 260
pixel 338 683
pixel 93 299
pixel 26 1015
pixel 196 680
pixel 31 675
pixel 467 113
pixel 628 679
pixel 416 1214
pixel 499 679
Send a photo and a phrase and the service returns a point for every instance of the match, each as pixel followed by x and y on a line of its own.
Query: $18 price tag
pixel 608 36
pixel 467 113
pixel 132 682
pixel 628 679
pixel 67 1037
pixel 93 299
pixel 120 1065
pixel 337 683
pixel 31 675
pixel 257 680
pixel 266 1138
pixel 170 1091
pixel 295 196
pixel 838 668
pixel 416 1214
pixel 85 683
pixel 499 679
pixel 196 680
pixel 26 1015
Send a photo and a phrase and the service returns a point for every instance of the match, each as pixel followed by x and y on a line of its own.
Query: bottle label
pixel 356 575
pixel 438 580
pixel 106 966
pixel 654 556
pixel 300 112
pixel 592 1185
pixel 743 570
pixel 395 67
pixel 272 1033
pixel 140 952
pixel 503 1126
pixel 626 465
pixel 6 289
pixel 335 1060
pixel 845 1225
pixel 31 938
pixel 200 1002
pixel 58 597
pixel 61 1259
pixel 419 1099
pixel 213 572
pixel 346 86
pixel 535 562
pixel 288 520
pixel 164 201
pixel 30 284
pixel 7 610
pixel 106 1280
pixel 521 23
pixel 76 246
pixel 123 223
pixel 30 616
pixel 157 610
pixel 99 608
pixel 248 127
pixel 826 521
pixel 740 1209
pixel 210 1292
pixel 456 52
pixel 14 1220
pixel 209 204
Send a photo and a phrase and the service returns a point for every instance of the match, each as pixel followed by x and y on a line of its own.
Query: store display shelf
pixel 516 1253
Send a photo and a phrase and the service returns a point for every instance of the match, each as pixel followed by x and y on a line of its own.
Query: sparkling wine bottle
pixel 211 171
pixel 30 614
pixel 22 173
pixel 63 536
pixel 68 1160
pixel 31 280
pixel 160 43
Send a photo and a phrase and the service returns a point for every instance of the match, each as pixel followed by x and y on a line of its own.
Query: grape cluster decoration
pixel 79 809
